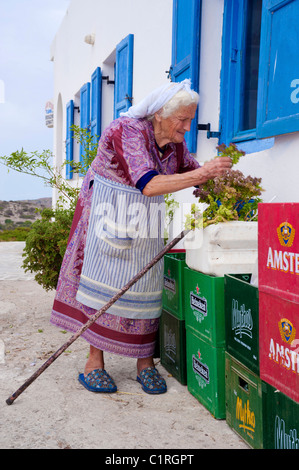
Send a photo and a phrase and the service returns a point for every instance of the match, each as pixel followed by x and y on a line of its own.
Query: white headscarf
pixel 157 98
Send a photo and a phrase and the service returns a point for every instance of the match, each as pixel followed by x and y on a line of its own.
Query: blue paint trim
pixel 267 127
pixel 187 20
pixel 257 145
pixel 84 114
pixel 231 75
pixel 69 139
pixel 123 75
pixel 96 104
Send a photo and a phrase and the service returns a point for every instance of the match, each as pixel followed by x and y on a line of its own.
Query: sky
pixel 27 29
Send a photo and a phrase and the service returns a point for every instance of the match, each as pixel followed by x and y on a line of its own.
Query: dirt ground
pixel 56 412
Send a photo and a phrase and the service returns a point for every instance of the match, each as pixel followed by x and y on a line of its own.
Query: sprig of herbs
pixel 232 196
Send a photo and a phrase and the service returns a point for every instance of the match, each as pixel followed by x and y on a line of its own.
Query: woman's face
pixel 174 127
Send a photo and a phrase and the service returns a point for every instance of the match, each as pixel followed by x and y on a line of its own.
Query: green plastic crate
pixel 281 421
pixel 245 397
pixel 173 346
pixel 173 288
pixel 242 320
pixel 206 373
pixel 204 305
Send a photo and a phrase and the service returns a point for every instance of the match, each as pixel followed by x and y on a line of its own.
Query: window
pixel 69 139
pixel 88 102
pixel 84 116
pixel 259 66
pixel 185 51
pixel 123 75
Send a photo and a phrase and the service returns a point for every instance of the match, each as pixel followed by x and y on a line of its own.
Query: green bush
pixel 47 240
pixel 16 235
pixel 46 244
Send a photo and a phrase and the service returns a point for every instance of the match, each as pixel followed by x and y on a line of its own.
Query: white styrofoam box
pixel 224 248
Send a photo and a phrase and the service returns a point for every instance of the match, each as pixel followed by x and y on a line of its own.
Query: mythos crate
pixel 242 320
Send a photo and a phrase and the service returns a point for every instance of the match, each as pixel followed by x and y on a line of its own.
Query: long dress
pixel 116 230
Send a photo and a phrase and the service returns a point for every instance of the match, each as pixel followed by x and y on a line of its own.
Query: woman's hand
pixel 164 184
pixel 216 167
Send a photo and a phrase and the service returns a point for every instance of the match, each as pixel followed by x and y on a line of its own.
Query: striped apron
pixel 125 232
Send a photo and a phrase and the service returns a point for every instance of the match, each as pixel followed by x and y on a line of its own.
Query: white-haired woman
pixel 117 230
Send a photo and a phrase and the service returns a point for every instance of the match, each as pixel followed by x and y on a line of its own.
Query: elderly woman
pixel 117 230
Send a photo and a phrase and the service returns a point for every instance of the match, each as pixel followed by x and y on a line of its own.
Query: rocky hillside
pixel 14 214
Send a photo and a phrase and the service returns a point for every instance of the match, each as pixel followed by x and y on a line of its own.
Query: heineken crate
pixel 242 320
pixel 173 346
pixel 281 421
pixel 173 288
pixel 204 305
pixel 244 392
pixel 206 373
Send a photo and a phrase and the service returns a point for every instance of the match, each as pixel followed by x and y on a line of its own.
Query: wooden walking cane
pixel 92 319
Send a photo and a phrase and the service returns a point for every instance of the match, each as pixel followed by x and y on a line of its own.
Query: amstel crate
pixel 204 306
pixel 244 402
pixel 281 420
pixel 206 373
pixel 173 346
pixel 278 260
pixel 278 249
pixel 173 288
pixel 279 343
pixel 242 320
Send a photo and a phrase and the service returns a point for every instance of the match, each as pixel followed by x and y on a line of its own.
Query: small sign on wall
pixel 49 114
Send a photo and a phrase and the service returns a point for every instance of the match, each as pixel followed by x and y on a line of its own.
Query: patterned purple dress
pixel 127 151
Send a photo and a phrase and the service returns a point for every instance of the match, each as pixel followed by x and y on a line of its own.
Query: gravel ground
pixel 56 412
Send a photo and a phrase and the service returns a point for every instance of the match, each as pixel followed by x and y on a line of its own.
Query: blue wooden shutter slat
pixel 96 104
pixel 69 139
pixel 123 75
pixel 277 112
pixel 84 114
pixel 185 51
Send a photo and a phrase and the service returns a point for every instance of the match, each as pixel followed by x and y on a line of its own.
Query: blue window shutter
pixel 69 139
pixel 96 104
pixel 278 108
pixel 185 51
pixel 123 75
pixel 84 114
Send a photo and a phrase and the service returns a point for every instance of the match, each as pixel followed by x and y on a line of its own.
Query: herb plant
pixel 232 196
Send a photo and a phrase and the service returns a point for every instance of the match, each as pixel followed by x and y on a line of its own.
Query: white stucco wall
pixel 74 60
pixel 151 24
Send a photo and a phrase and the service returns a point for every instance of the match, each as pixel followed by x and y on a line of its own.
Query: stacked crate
pixel 279 321
pixel 262 364
pixel 172 324
pixel 243 386
pixel 205 339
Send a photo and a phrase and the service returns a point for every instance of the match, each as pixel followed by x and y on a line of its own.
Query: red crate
pixel 278 272
pixel 278 250
pixel 279 344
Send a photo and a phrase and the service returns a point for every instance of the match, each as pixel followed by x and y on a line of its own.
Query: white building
pixel 242 56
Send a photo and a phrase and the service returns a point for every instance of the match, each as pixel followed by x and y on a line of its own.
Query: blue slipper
pixel 98 381
pixel 151 381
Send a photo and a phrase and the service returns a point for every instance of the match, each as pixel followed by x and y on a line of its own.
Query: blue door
pixel 185 51
pixel 123 75
pixel 69 139
pixel 84 115
pixel 96 104
pixel 278 110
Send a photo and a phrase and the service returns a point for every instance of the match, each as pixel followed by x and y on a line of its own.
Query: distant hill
pixel 15 214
